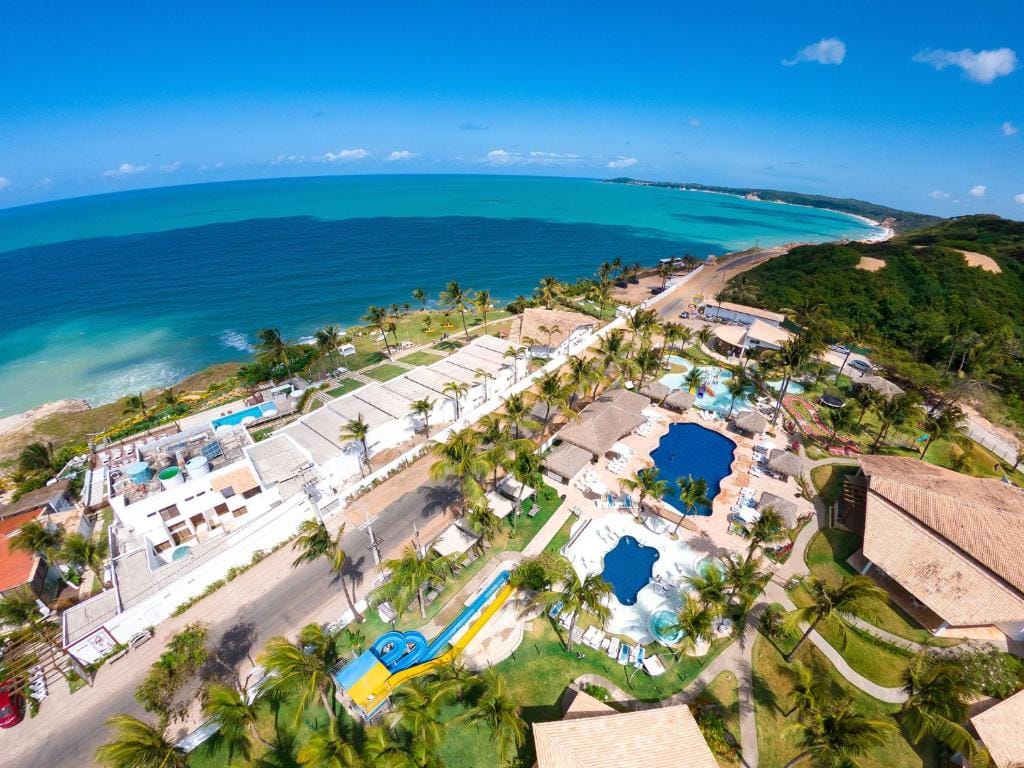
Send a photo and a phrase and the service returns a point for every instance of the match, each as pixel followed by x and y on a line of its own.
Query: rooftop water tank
pixel 139 472
pixel 197 465
pixel 171 476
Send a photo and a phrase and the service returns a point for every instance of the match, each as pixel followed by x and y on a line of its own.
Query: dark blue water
pixel 689 449
pixel 628 568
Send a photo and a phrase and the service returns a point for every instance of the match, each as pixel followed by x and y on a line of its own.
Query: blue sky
pixel 913 104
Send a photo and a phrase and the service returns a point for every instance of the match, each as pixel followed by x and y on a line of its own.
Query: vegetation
pixel 159 691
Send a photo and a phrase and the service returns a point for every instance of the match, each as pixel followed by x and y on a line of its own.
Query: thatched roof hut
pixel 566 461
pixel 613 415
pixel 884 387
pixel 785 463
pixel 786 508
pixel 751 422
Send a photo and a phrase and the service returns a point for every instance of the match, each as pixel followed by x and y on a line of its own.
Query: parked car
pixel 840 349
pixel 684 315
pixel 12 705
pixel 860 365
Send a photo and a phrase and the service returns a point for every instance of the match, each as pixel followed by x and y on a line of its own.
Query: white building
pixel 740 313
pixel 737 339
pixel 551 332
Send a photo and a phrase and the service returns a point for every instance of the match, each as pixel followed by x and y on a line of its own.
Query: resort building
pixel 946 546
pixel 49 500
pixel 593 735
pixel 1001 729
pixel 740 339
pixel 18 568
pixel 740 313
pixel 551 332
pixel 613 415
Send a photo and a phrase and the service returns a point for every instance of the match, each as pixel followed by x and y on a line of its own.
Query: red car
pixel 12 706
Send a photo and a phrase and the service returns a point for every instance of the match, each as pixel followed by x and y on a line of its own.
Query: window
pixel 252 492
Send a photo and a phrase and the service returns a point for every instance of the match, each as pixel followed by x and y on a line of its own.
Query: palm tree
pixel 482 302
pixel 867 400
pixel 710 586
pixel 485 523
pixel 272 345
pixel 169 397
pixel 313 542
pixel 428 322
pixel 86 552
pixel 357 430
pixel 895 412
pixel 423 408
pixel 237 719
pixel 549 291
pixel 410 575
pixel 837 420
pixel 769 528
pixel 459 457
pixel 550 333
pixel 694 379
pixel 35 538
pixel 552 394
pixel 737 385
pixel 41 457
pixel 18 608
pixel 454 297
pixel 484 376
pixel 456 390
pixel 587 595
pixel 695 620
pixel 704 335
pixel 497 710
pixel 855 593
pixel 421 296
pixel 418 710
pixel 944 425
pixel 647 483
pixel 136 404
pixel 303 670
pixel 137 744
pixel 328 339
pixel 329 749
pixel 379 319
pixel 647 362
pixel 525 467
pixel 673 334
pixel 693 493
pixel 833 733
pixel 517 413
pixel 939 692
pixel 611 351
pixel 745 580
pixel 791 358
pixel 580 375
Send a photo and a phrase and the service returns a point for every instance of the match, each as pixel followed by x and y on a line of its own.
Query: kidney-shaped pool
pixel 690 449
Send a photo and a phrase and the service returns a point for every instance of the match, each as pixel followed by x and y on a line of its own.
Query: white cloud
pixel 4 182
pixel 400 154
pixel 694 122
pixel 980 66
pixel 622 162
pixel 288 160
pixel 171 167
pixel 344 156
pixel 978 190
pixel 126 169
pixel 830 50
pixel 938 194
pixel 1009 129
pixel 501 157
pixel 1019 199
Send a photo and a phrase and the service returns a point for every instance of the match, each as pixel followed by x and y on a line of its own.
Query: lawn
pixel 421 358
pixel 828 479
pixel 386 371
pixel 346 386
pixel 772 700
pixel 723 692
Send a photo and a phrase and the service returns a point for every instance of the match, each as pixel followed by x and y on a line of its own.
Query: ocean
pixel 113 294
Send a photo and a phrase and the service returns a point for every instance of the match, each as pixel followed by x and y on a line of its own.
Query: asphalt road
pixel 281 609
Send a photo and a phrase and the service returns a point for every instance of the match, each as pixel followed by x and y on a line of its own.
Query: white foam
pixel 236 340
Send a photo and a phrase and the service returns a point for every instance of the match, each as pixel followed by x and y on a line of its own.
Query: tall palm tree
pixel 496 709
pixel 790 359
pixel 745 580
pixel 485 523
pixel 704 335
pixel 833 733
pixel 357 430
pixel 421 296
pixel 328 339
pixel 552 394
pixel 35 538
pixel 944 425
pixel 710 586
pixel 483 305
pixel 484 376
pixel 895 412
pixel 273 346
pixel 837 420
pixel 86 552
pixel 693 493
pixel 675 334
pixel 579 376
pixel 304 670
pixel 588 595
pixel 939 692
pixel 550 331
pixel 611 351
pixel 694 379
pixel 695 620
pixel 136 404
pixel 459 457
pixel 549 291
pixel 18 609
pixel 330 748
pixel 313 542
pixel 737 385
pixel 769 528
pixel 379 319
pixel 456 298
pixel 647 483
pixel 517 414
pixel 647 362
pixel 238 721
pixel 40 456
pixel 137 744
pixel 417 710
pixel 456 390
pixel 525 467
pixel 410 575
pixel 855 593
pixel 867 400
pixel 423 408
pixel 169 397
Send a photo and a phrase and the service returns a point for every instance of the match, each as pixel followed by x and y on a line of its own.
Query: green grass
pixel 363 358
pixel 527 527
pixel 828 480
pixel 772 700
pixel 562 537
pixel 421 358
pixel 723 691
pixel 386 371
pixel 346 386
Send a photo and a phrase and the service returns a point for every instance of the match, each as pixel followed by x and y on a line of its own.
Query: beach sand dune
pixel 870 264
pixel 980 260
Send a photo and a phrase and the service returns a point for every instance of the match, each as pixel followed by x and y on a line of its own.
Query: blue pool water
pixel 713 395
pixel 628 567
pixel 690 449
pixel 237 418
pixel 662 623
pixel 794 388
pixel 180 552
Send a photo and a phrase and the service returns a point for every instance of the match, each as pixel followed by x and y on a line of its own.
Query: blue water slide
pixel 439 643
pixel 400 655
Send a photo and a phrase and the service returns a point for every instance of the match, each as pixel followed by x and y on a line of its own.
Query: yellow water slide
pixel 373 689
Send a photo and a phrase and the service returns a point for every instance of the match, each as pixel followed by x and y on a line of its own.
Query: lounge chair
pixel 624 653
pixel 640 654
pixel 613 647
pixel 556 609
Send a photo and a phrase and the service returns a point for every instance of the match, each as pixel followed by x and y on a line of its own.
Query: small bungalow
pixel 750 422
pixel 18 568
pixel 48 500
pixel 740 313
pixel 550 332
pixel 565 462
pixel 786 508
pixel 1001 729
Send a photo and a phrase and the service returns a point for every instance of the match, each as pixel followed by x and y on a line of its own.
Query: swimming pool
pixel 690 449
pixel 794 388
pixel 249 414
pixel 713 394
pixel 180 552
pixel 628 567
pixel 663 627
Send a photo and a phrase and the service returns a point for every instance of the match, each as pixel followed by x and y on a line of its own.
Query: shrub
pixel 185 654
pixel 770 622
pixel 712 727
pixel 597 691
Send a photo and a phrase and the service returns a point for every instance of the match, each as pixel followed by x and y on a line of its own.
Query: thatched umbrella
pixel 787 509
pixel 785 463
pixel 884 387
pixel 751 422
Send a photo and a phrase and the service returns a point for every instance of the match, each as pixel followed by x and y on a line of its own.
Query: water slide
pixel 397 665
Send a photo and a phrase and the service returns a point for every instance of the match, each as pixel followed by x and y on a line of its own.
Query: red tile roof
pixel 15 567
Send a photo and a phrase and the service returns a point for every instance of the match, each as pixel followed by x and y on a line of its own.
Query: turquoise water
pixel 249 413
pixel 793 388
pixel 112 294
pixel 713 395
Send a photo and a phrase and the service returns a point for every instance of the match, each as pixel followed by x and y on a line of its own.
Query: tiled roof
pixel 528 325
pixel 15 566
pixel 1001 729
pixel 35 499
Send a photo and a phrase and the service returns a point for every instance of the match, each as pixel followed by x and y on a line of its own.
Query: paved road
pixel 293 598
